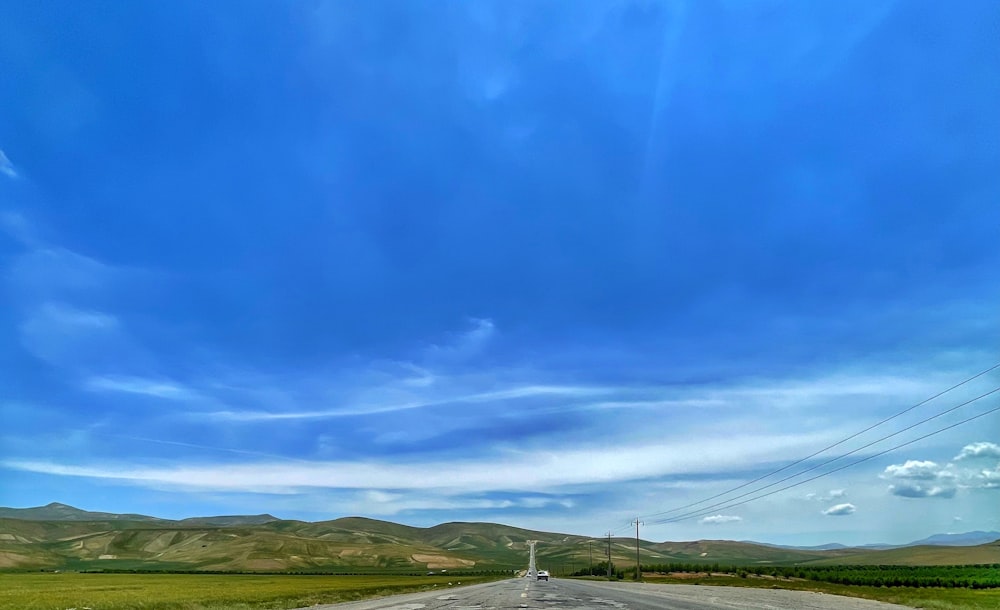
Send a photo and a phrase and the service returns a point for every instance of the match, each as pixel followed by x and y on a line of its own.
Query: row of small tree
pixel 601 569
pixel 983 576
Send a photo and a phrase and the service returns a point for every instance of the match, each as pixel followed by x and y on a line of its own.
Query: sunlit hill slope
pixel 62 537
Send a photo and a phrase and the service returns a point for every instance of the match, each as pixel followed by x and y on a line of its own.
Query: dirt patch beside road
pixel 438 562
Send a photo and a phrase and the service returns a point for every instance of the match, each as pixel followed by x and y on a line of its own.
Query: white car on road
pixel 542 575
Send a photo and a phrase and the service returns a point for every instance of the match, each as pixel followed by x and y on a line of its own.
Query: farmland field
pixel 47 591
pixel 943 576
pixel 929 598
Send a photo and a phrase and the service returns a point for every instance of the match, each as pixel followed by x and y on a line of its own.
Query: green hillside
pixel 357 544
pixel 109 545
pixel 63 512
pixel 737 553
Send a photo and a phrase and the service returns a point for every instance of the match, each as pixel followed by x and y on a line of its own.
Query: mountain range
pixel 975 538
pixel 59 536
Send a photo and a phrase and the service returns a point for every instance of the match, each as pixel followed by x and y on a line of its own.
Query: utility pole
pixel 638 568
pixel 609 555
pixel 591 545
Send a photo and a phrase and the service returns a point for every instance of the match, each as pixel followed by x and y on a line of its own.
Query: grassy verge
pixel 924 597
pixel 203 591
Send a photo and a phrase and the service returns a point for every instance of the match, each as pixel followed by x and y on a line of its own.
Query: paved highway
pixel 591 595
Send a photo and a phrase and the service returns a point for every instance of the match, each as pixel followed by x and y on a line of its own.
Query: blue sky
pixel 548 264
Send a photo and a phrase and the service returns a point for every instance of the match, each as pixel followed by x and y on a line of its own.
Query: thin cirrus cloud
pixel 139 385
pixel 465 345
pixel 6 167
pixel 65 335
pixel 866 391
pixel 76 340
pixel 514 470
pixel 518 392
pixel 833 494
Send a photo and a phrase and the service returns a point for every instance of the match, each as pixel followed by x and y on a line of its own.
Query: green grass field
pixel 45 591
pixel 930 598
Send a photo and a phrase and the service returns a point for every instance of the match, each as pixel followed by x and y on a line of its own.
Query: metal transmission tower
pixel 532 570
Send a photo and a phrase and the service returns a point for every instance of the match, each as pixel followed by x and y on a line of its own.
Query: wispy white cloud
pixel 6 167
pixel 840 510
pixel 140 385
pixel 66 336
pixel 387 503
pixel 381 497
pixel 350 410
pixel 719 519
pixel 464 345
pixel 421 377
pixel 65 304
pixel 799 393
pixel 257 454
pixel 536 471
pixel 67 317
pixel 417 386
pixel 833 494
pixel 17 226
pixel 50 273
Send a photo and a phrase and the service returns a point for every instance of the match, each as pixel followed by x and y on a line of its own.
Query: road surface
pixel 562 594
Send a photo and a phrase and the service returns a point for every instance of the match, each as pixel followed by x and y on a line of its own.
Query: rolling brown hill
pixel 84 540
pixel 63 512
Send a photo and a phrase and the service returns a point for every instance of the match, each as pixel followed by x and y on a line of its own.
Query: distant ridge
pixel 230 520
pixel 55 511
pixel 832 546
pixel 975 538
pixel 967 539
pixel 59 536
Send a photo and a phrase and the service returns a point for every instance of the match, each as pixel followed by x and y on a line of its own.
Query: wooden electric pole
pixel 609 555
pixel 638 568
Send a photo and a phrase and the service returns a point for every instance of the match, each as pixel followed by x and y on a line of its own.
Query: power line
pixel 625 526
pixel 823 474
pixel 827 448
pixel 839 457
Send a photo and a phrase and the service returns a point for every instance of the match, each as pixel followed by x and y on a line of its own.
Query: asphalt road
pixel 590 595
